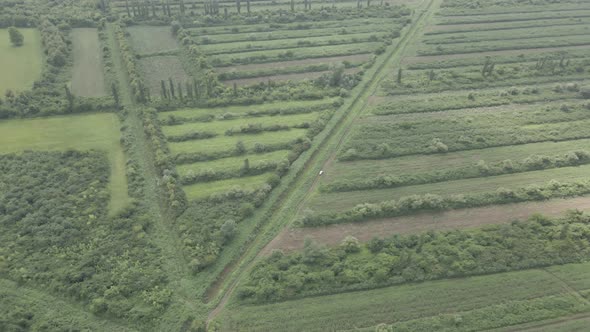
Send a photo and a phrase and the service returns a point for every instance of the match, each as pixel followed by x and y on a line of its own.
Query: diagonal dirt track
pixel 332 143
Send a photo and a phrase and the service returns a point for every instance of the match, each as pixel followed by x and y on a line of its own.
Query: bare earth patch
pixel 292 238
pixel 284 78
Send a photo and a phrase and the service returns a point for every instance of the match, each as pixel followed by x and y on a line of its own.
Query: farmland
pixel 81 132
pixel 23 63
pixel 429 305
pixel 258 165
pixel 88 77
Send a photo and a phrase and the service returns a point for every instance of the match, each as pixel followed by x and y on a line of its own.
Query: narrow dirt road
pixel 360 103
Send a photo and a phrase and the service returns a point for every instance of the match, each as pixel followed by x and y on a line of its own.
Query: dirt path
pixel 395 59
pixel 292 63
pixel 292 239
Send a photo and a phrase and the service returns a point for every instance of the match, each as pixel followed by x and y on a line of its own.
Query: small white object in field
pixel 321 172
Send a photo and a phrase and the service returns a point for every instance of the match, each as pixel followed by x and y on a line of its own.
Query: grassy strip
pixel 513 17
pixel 502 189
pixel 504 45
pixel 344 29
pixel 481 169
pixel 292 43
pixel 222 127
pixel 296 54
pixel 228 143
pixel 461 28
pixel 400 304
pixel 206 189
pixel 405 166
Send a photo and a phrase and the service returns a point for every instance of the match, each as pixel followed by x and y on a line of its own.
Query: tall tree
pixel 171 88
pixel 70 98
pixel 164 92
pixel 115 93
pixel 238 6
pixel 16 37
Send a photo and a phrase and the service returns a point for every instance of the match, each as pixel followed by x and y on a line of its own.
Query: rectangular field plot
pixel 221 127
pixel 228 143
pixel 347 200
pixel 232 164
pixel 475 299
pixel 205 189
pixel 414 165
pixel 21 65
pixel 152 39
pixel 88 76
pixel 158 68
pixel 286 107
pixel 75 132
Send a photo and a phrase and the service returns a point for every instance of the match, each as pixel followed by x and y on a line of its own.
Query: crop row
pixel 295 54
pixel 379 137
pixel 206 39
pixel 466 171
pixel 525 33
pixel 514 17
pixel 504 45
pixel 405 205
pixel 293 43
pixel 487 76
pixel 232 112
pixel 469 99
pixel 499 26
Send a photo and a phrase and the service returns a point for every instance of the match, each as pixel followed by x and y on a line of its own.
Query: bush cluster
pixel 538 242
pixel 431 202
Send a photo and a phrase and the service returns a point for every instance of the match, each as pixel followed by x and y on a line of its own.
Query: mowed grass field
pixel 75 132
pixel 482 302
pixel 21 65
pixel 88 75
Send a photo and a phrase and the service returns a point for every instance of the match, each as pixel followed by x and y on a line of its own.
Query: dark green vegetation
pixel 218 117
pixel 57 237
pixel 433 255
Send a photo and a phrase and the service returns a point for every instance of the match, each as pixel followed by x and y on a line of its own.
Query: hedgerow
pixel 431 202
pixel 537 242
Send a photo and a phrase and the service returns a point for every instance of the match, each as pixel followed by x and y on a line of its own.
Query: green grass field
pixel 22 65
pixel 352 170
pixel 151 39
pixel 88 76
pixel 279 107
pixel 220 127
pixel 205 189
pixel 232 163
pixel 75 132
pixel 463 297
pixel 225 143
pixel 338 201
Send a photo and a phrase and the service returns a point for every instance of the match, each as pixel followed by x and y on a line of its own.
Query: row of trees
pixel 479 169
pixel 400 259
pixel 431 202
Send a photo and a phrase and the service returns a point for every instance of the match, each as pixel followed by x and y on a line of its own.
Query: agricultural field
pixel 76 132
pixel 282 165
pixel 219 149
pixel 23 63
pixel 474 303
pixel 88 76
pixel 506 104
